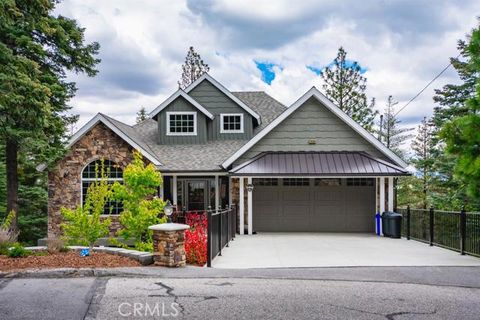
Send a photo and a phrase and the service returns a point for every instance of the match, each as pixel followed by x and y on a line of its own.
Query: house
pixel 306 167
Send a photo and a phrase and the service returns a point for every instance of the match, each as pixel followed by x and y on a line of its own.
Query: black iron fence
pixel 222 225
pixel 455 230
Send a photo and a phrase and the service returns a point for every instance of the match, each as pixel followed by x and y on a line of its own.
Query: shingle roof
pixel 267 107
pixel 317 164
pixel 131 132
pixel 201 157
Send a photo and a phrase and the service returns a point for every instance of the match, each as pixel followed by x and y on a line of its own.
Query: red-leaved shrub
pixel 196 238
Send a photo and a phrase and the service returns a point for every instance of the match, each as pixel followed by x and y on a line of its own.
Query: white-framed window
pixel 296 182
pixel 181 123
pixel 360 182
pixel 113 173
pixel 231 123
pixel 266 182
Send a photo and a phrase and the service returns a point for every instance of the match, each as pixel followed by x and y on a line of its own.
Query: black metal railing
pixel 222 225
pixel 221 228
pixel 455 230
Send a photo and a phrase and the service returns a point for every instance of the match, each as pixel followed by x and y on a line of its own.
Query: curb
pixel 64 273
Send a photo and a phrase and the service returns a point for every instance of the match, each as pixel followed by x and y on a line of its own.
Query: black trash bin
pixel 386 224
pixel 392 224
pixel 395 225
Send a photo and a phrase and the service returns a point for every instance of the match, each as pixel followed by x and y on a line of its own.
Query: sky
pixel 264 45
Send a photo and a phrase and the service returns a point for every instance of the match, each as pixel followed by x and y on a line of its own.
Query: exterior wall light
pixel 249 187
pixel 168 210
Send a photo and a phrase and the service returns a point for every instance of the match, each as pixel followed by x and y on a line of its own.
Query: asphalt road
pixel 343 293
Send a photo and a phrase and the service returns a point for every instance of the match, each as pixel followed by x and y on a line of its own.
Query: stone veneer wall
pixel 169 248
pixel 64 180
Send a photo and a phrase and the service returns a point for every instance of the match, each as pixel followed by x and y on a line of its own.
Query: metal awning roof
pixel 317 164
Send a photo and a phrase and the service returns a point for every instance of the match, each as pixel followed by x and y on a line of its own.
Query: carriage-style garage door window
pixel 181 123
pixel 91 174
pixel 231 123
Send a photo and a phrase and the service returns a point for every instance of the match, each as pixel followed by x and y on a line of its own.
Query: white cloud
pixel 403 45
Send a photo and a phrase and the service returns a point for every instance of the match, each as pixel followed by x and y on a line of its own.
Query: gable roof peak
pixel 225 91
pixel 314 92
pixel 173 97
pixel 118 128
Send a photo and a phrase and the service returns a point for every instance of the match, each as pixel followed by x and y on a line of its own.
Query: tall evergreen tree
pixel 345 86
pixel 37 48
pixel 462 133
pixel 192 69
pixel 423 158
pixel 451 103
pixel 142 115
pixel 391 134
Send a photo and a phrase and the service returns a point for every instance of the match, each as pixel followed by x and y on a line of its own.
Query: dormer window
pixel 181 123
pixel 231 123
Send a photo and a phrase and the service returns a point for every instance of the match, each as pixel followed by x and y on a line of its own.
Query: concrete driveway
pixel 297 250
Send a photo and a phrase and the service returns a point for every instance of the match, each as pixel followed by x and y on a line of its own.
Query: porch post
pixel 217 194
pixel 230 193
pixel 250 202
pixel 161 190
pixel 174 190
pixel 390 194
pixel 241 202
pixel 382 195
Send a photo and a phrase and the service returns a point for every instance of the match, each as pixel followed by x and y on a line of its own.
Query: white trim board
pixel 103 119
pixel 180 93
pixel 220 87
pixel 314 92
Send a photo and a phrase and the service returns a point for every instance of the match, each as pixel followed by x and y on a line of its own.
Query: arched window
pixel 112 172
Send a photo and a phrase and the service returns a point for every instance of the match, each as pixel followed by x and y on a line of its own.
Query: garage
pixel 314 191
pixel 314 204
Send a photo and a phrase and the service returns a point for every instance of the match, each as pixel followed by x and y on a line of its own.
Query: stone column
pixel 169 244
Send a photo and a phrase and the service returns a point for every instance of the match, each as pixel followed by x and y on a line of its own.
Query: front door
pixel 196 194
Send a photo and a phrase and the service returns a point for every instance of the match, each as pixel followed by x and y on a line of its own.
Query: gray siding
pixel 180 104
pixel 312 121
pixel 217 103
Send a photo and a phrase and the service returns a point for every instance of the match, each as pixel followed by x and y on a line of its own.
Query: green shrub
pixel 141 208
pixel 7 236
pixel 18 251
pixel 4 249
pixel 83 226
pixel 40 253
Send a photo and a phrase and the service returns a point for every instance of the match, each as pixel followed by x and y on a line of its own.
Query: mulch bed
pixel 69 259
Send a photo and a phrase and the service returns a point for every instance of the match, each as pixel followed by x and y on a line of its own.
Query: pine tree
pixel 142 115
pixel 462 133
pixel 37 49
pixel 192 69
pixel 451 100
pixel 423 159
pixel 345 86
pixel 390 132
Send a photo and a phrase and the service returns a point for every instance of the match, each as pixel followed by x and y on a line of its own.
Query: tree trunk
pixel 11 153
pixel 424 189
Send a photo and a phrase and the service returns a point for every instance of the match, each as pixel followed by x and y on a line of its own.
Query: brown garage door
pixel 325 205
